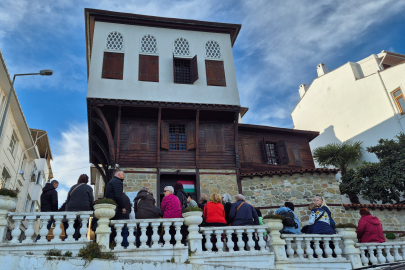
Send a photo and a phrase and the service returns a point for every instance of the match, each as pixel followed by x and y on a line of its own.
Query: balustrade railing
pixel 377 253
pixel 234 238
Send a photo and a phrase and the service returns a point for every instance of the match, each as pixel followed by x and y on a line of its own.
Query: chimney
pixel 303 88
pixel 322 69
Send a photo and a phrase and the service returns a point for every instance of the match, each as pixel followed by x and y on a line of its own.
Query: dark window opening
pixel 182 71
pixel 272 155
pixel 177 137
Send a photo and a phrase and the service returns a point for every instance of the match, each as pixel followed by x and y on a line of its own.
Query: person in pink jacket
pixel 369 229
pixel 170 207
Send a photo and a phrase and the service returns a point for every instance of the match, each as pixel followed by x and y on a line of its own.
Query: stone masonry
pixel 218 183
pixel 135 181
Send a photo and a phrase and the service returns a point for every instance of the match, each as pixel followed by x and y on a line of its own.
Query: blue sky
pixel 278 48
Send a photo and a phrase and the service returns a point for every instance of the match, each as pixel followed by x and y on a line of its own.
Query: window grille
pixel 177 137
pixel 272 155
pixel 115 41
pixel 212 49
pixel 182 71
pixel 148 44
pixel 181 47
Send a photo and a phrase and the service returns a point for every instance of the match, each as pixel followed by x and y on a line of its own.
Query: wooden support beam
pixel 102 161
pixel 102 174
pixel 118 136
pixel 197 184
pixel 158 187
pixel 158 141
pixel 197 125
pixel 103 149
pixel 107 131
pixel 236 139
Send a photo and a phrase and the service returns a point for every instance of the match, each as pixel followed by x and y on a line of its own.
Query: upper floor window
pixel 181 47
pixel 399 100
pixel 115 41
pixel 177 137
pixel 23 164
pixel 5 176
pixel 271 152
pixel 149 44
pixel 212 49
pixel 113 66
pixel 13 143
pixel 215 72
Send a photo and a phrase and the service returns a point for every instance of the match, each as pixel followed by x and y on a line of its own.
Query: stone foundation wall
pixel 225 182
pixel 135 181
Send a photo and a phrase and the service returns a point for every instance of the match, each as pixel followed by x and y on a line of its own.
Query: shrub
pixel 93 251
pixel 53 252
pixel 108 201
pixel 9 192
pixel 272 216
pixel 68 254
pixel 390 235
pixel 191 209
pixel 345 225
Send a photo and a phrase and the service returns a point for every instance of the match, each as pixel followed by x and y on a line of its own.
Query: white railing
pixel 32 220
pixel 156 225
pixel 311 246
pixel 223 238
pixel 376 253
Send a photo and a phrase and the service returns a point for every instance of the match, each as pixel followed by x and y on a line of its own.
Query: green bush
pixel 93 251
pixel 345 225
pixel 68 254
pixel 53 252
pixel 9 192
pixel 191 209
pixel 390 235
pixel 272 216
pixel 107 201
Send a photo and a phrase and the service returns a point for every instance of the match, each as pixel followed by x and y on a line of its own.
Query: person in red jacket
pixel 214 212
pixel 369 229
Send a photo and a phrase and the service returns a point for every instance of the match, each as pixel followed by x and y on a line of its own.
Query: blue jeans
pixel 125 234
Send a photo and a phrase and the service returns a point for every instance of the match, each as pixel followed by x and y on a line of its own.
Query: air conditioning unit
pixel 33 177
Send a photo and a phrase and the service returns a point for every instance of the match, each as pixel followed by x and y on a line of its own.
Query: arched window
pixel 148 44
pixel 115 41
pixel 212 49
pixel 181 47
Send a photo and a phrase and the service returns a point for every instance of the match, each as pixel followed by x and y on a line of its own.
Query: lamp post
pixel 45 72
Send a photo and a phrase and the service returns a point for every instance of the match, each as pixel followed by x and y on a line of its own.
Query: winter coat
pixel 322 226
pixel 80 198
pixel 370 230
pixel 118 212
pixel 49 199
pixel 201 205
pixel 214 213
pixel 294 230
pixel 332 221
pixel 170 207
pixel 246 215
pixel 114 191
pixel 144 206
pixel 182 195
pixel 227 207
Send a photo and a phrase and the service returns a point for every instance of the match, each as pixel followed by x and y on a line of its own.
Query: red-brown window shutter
pixel 144 136
pixel 148 68
pixel 193 69
pixel 282 152
pixel 164 135
pixel 251 151
pixel 215 73
pixel 113 66
pixel 247 155
pixel 134 130
pixel 219 138
pixel 190 136
pixel 296 154
pixel 210 144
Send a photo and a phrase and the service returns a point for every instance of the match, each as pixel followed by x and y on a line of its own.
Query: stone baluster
pixel 230 244
pixel 290 251
pixel 144 238
pixel 250 241
pixel 155 235
pixel 338 250
pixel 241 244
pixel 84 229
pixel 318 250
pixel 16 232
pixel 194 238
pixel 350 252
pixel 262 243
pixel 396 253
pixel 299 250
pixel 327 249
pixel 372 258
pixel 118 238
pixel 208 243
pixel 403 250
pixel 380 255
pixel 29 232
pixel 178 235
pixel 70 231
pixel 308 250
pixel 389 257
pixel 219 244
pixel 43 232
pixel 167 236
pixel 131 236
pixel 364 258
pixel 57 231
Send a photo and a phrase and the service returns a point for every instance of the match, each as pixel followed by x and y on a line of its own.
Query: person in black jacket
pixel 227 202
pixel 144 207
pixel 49 200
pixel 181 194
pixel 114 191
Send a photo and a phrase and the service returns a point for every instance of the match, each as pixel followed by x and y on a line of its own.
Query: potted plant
pixel 104 210
pixel 192 211
pixel 8 203
pixel 274 222
pixel 390 237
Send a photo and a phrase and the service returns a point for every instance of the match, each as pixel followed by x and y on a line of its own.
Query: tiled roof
pixel 374 206
pixel 290 172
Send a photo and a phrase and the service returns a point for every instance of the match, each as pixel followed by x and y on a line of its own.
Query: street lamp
pixel 45 72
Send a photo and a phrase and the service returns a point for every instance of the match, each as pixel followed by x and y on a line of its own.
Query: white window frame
pixel 13 148
pixel 4 179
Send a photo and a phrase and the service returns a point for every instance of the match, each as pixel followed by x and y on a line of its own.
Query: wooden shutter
pixel 266 157
pixel 247 155
pixel 118 71
pixel 215 73
pixel 125 130
pixel 254 149
pixel 164 136
pixel 282 152
pixel 190 136
pixel 148 68
pixel 108 65
pixel 134 134
pixel 210 144
pixel 296 154
pixel 193 69
pixel 144 136
pixel 219 138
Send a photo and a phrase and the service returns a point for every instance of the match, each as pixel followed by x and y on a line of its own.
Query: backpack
pixel 289 220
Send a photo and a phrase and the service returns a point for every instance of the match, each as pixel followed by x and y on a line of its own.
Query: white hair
pixel 227 198
pixel 117 172
pixel 170 188
pixel 239 197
